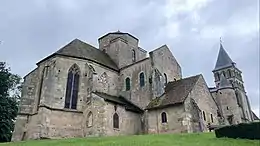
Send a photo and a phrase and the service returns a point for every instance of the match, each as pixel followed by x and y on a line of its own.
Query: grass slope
pixel 204 139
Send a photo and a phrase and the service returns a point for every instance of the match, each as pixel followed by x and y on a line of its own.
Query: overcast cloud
pixel 31 30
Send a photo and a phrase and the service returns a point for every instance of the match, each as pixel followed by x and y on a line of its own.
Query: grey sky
pixel 31 30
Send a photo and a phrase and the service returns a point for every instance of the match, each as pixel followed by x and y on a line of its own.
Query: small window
pixel 217 76
pixel 204 116
pixel 127 84
pixel 141 79
pixel 150 80
pixel 115 120
pixel 211 118
pixel 90 119
pixel 165 78
pixel 224 73
pixel 227 108
pixel 229 73
pixel 133 56
pixel 164 117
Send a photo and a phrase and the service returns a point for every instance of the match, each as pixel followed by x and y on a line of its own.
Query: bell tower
pixel 226 68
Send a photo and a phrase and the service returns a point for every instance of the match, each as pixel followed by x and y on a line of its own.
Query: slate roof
pixel 119 33
pixel 175 93
pixel 223 60
pixel 254 116
pixel 224 83
pixel 121 101
pixel 82 50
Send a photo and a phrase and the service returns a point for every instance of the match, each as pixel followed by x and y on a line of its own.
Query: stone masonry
pixel 121 89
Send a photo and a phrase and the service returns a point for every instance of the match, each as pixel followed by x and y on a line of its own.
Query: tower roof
pixel 224 83
pixel 223 60
pixel 118 33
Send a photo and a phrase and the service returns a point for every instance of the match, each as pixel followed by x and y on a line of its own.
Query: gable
pixel 176 93
pixel 120 100
pixel 163 59
pixel 164 50
pixel 82 50
pixel 202 96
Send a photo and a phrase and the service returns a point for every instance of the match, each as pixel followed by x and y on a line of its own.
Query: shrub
pixel 243 130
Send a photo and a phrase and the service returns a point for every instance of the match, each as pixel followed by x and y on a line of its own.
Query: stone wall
pixel 29 92
pixel 64 124
pixel 54 123
pixel 227 100
pixel 101 119
pixel 19 130
pixel 91 78
pixel 94 117
pixel 245 106
pixel 129 122
pixel 175 120
pixel 137 94
pixel 204 100
pixel 163 60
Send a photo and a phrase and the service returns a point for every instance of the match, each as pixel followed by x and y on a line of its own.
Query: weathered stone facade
pixel 118 89
pixel 229 92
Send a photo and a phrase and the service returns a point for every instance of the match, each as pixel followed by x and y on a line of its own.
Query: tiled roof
pixel 223 60
pixel 120 100
pixel 175 92
pixel 82 50
pixel 254 116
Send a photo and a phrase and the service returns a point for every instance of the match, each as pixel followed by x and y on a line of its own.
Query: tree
pixel 9 95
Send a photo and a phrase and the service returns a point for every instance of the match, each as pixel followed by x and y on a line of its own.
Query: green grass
pixel 204 139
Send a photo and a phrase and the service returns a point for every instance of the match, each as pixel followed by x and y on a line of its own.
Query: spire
pixel 224 83
pixel 223 58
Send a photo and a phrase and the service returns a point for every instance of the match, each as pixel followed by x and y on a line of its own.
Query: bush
pixel 243 130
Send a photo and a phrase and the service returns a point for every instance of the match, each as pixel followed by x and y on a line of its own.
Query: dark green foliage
pixel 8 105
pixel 243 130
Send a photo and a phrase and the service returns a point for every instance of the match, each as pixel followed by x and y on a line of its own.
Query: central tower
pixel 122 48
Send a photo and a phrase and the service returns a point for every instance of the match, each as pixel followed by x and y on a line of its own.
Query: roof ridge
pixel 198 75
pixel 197 79
pixel 121 97
pixel 223 59
pixel 82 50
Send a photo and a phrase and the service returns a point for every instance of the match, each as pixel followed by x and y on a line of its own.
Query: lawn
pixel 205 139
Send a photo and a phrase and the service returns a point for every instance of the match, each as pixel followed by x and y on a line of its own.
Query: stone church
pixel 121 89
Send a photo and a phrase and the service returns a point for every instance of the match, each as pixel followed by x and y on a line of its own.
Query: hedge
pixel 243 131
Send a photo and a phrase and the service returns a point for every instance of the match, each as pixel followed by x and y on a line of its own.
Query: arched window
pixel 224 73
pixel 211 118
pixel 90 119
pixel 127 84
pixel 133 56
pixel 164 117
pixel 72 87
pixel 204 116
pixel 92 69
pixel 141 79
pixel 165 78
pixel 115 120
pixel 217 76
pixel 236 74
pixel 229 73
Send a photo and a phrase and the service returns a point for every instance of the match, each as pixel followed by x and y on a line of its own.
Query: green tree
pixel 9 96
